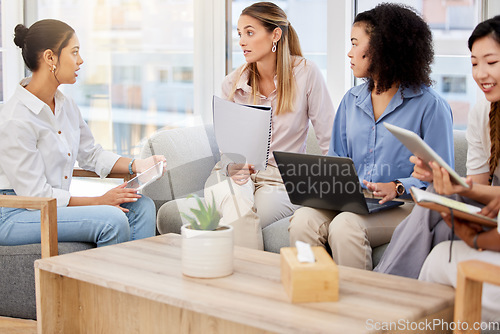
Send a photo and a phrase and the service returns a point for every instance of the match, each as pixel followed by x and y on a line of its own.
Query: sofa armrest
pixel 78 172
pixel 470 278
pixel 48 213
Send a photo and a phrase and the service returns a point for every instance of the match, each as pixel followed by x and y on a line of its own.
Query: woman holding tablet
pixel 392 50
pixel 417 235
pixel 44 134
pixel 476 244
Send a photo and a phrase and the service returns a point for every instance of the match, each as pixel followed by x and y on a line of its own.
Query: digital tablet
pixel 148 176
pixel 420 149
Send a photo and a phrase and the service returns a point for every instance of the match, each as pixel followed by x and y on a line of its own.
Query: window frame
pixel 12 61
pixel 212 49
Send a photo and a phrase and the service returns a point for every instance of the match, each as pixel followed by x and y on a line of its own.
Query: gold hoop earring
pixel 273 49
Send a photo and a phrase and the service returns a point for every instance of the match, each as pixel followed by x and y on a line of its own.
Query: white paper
pixel 242 132
pixel 304 252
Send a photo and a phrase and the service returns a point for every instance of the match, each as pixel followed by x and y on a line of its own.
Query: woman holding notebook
pixel 44 134
pixel 275 74
pixel 425 229
pixel 392 50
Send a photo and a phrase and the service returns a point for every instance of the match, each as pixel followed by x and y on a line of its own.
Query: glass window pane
pixel 137 75
pixel 1 76
pixel 1 53
pixel 312 33
pixel 451 22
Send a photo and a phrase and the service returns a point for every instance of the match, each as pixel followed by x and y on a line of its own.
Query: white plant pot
pixel 207 254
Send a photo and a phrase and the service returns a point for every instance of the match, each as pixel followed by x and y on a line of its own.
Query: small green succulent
pixel 206 217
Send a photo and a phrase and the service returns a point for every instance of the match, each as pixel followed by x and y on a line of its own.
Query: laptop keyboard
pixel 373 203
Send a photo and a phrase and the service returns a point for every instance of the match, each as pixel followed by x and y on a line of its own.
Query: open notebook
pixel 444 204
pixel 243 132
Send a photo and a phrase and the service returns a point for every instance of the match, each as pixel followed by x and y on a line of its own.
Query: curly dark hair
pixel 400 47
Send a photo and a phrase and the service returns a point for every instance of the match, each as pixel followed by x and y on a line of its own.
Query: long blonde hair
pixel 271 16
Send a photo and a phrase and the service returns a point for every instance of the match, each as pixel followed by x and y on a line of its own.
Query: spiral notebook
pixel 243 132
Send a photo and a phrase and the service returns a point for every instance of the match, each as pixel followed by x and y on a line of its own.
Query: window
pixel 1 54
pixel 137 75
pixel 454 84
pixel 312 32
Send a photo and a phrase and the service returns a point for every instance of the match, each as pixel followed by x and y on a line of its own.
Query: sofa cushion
pixel 460 143
pixel 169 219
pixel 276 235
pixel 191 154
pixel 17 277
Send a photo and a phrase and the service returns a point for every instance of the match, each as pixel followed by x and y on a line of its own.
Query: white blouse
pixel 478 141
pixel 39 148
pixel 312 103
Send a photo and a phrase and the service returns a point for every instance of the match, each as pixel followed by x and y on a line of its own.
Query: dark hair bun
pixel 20 32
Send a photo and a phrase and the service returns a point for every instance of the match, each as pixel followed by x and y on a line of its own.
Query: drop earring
pixel 53 68
pixel 273 49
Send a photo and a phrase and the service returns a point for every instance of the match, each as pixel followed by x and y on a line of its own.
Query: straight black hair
pixel 41 36
pixel 488 27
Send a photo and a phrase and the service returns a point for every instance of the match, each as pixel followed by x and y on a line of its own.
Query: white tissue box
pixel 309 282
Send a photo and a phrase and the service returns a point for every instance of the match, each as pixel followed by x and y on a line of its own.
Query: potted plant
pixel 207 246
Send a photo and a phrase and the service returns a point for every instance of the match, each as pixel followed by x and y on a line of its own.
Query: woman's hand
pixel 466 231
pixel 240 173
pixel 118 196
pixel 443 184
pixel 140 165
pixel 491 210
pixel 385 190
pixel 421 170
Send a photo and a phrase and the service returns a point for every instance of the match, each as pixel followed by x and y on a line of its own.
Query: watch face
pixel 400 189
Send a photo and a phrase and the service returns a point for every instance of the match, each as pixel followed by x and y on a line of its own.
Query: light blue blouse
pixel 377 154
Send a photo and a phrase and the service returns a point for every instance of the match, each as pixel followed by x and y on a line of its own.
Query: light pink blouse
pixel 312 102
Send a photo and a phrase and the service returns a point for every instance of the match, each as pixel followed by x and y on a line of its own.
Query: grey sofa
pixel 17 274
pixel 17 277
pixel 192 152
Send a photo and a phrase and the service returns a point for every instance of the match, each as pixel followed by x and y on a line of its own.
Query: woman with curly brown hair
pixel 392 50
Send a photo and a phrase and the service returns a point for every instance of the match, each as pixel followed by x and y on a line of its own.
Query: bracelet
pixel 130 166
pixel 474 242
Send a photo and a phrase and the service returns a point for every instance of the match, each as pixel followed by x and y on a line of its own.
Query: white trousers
pixel 437 269
pixel 249 207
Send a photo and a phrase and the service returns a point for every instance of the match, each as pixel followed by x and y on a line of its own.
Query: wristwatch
pixel 400 188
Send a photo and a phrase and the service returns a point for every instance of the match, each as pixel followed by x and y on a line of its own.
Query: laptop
pixel 325 182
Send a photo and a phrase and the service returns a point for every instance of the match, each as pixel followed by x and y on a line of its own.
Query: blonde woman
pixel 275 74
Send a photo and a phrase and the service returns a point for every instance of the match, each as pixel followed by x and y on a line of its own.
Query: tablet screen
pixel 422 150
pixel 148 176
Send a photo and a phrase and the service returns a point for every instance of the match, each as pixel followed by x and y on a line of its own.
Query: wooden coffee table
pixel 138 287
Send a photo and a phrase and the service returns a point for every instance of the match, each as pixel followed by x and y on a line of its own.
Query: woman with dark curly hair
pixel 392 50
